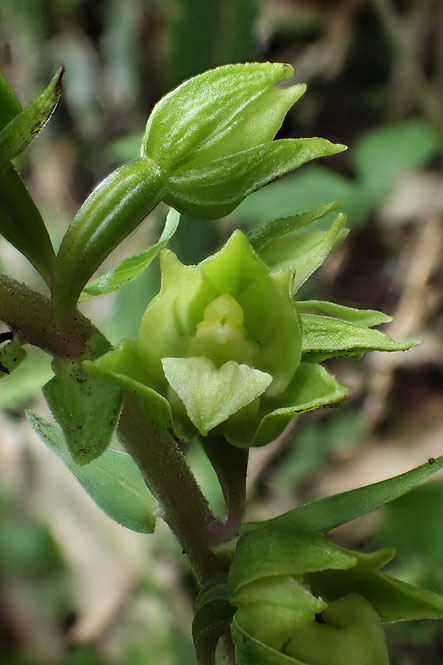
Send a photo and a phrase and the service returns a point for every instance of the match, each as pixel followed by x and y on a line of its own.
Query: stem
pixel 163 466
pixel 230 464
pixel 167 475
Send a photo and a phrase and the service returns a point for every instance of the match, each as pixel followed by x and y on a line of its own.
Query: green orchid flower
pixel 224 349
pixel 300 599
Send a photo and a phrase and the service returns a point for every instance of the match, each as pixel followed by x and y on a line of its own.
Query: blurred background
pixel 76 589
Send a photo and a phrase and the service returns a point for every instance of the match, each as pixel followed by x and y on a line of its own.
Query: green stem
pixel 164 468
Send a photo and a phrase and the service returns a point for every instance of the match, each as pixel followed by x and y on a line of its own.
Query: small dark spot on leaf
pixel 431 460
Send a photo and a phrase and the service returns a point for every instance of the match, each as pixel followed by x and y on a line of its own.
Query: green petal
pixel 171 317
pixel 113 481
pixel 360 317
pixel 270 552
pixel 304 252
pixel 123 367
pixel 213 190
pixel 326 337
pixel 203 109
pixel 311 388
pixel 351 635
pixel 212 395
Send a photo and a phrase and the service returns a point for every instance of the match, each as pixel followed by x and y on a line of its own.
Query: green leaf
pixel 212 618
pixel 9 103
pixel 303 253
pixel 22 225
pixel 214 189
pixel 12 355
pixel 333 511
pixel 86 407
pixel 27 124
pixel 383 155
pixel 210 394
pixel 124 367
pixel 326 337
pixel 113 481
pixel 260 236
pixel 360 317
pixel 313 387
pixel 131 268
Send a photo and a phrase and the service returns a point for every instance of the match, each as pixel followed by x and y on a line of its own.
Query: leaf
pixel 27 124
pixel 214 189
pixel 210 394
pixel 212 618
pixel 360 317
pixel 129 269
pixel 326 337
pixel 383 155
pixel 113 481
pixel 86 407
pixel 124 367
pixel 260 236
pixel 9 103
pixel 304 252
pixel 12 355
pixel 22 224
pixel 333 511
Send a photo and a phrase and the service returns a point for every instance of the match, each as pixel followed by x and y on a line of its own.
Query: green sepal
pixel 334 511
pixel 213 190
pixel 251 651
pixel 268 552
pixel 131 268
pixel 274 607
pixel 351 633
pixel 360 317
pixel 114 209
pixel 393 599
pixel 327 337
pixel 86 407
pixel 260 236
pixel 22 225
pixel 113 481
pixel 9 102
pixel 123 367
pixel 12 354
pixel 202 117
pixel 212 618
pixel 312 387
pixel 304 252
pixel 27 124
pixel 210 394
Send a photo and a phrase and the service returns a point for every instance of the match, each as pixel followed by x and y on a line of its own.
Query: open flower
pixel 225 349
pixel 302 599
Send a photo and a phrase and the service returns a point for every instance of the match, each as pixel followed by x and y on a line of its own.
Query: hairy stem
pixel 164 468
